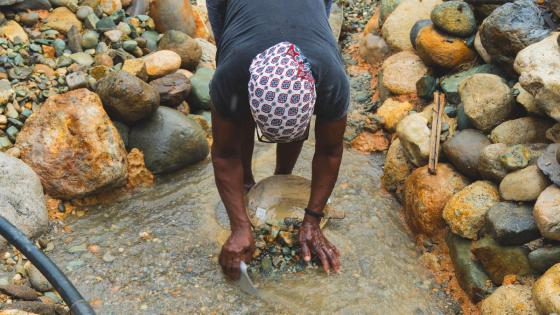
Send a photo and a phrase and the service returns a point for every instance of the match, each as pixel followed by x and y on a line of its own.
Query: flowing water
pixel 164 242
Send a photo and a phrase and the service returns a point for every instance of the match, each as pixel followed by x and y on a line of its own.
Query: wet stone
pixel 450 84
pixel 499 261
pixel 543 258
pixel 470 274
pixel 76 80
pixel 173 89
pixel 74 39
pixel 548 163
pixel 512 223
pixel 455 18
pixel 199 98
pixel 546 213
pixel 523 185
pixel 516 157
pixel 19 292
pixel 464 150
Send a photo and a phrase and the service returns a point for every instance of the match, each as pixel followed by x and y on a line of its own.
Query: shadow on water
pixel 158 250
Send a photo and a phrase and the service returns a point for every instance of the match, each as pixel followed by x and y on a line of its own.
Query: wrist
pixel 241 226
pixel 311 219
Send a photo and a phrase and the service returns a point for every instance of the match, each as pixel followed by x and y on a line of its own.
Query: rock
pixel 169 140
pixel 127 98
pixel 19 292
pixel 397 26
pixel 77 80
pixel 543 258
pixel 6 92
pixel 426 86
pixel 123 132
pixel 546 212
pixel 392 112
pixel 523 185
pixel 414 134
pixel 114 36
pixel 401 71
pixel 35 307
pixel 512 223
pixel 199 98
pixel 552 134
pixel 173 89
pixel 510 28
pixel 469 272
pixel 136 67
pixel 540 74
pixel 516 157
pixel 521 130
pixel 546 291
pixel 173 15
pixel 397 168
pixel 455 18
pixel 29 18
pixel 62 19
pixel 36 278
pixel 21 197
pixel 450 84
pixel 83 12
pixel 464 150
pixel 73 159
pixel 110 6
pixel 548 163
pixel 162 62
pixel 208 58
pixel 386 7
pixel 82 58
pixel 465 212
pixel 487 100
pixel 509 299
pixel 527 101
pixel 500 261
pixel 441 50
pixel 186 47
pixel 32 5
pixel 425 196
pixel 489 164
pixel 12 30
pixel 373 48
pixel 90 39
pixel 418 26
pixel 481 50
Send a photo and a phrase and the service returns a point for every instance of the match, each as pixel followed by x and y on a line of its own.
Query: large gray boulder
pixel 170 140
pixel 22 201
pixel 510 28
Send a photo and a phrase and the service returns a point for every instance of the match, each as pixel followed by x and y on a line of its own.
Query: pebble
pixel 509 299
pixel 414 134
pixel 36 278
pixel 546 291
pixel 523 185
pixel 392 112
pixel 162 62
pixel 82 59
pixel 455 18
pixel 546 212
pixel 464 150
pixel 401 71
pixel 512 223
pixel 521 131
pixel 90 39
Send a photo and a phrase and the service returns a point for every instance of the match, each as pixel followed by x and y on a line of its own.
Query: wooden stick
pixel 435 135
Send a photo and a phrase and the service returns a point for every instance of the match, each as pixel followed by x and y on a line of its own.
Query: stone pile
pixel 71 71
pixel 495 192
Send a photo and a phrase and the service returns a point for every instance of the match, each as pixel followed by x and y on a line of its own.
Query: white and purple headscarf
pixel 282 93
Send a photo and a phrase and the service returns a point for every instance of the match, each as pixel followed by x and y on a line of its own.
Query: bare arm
pixel 326 163
pixel 227 159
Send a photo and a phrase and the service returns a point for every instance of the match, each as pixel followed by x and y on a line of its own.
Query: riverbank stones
pixel 487 100
pixel 425 196
pixel 401 71
pixel 509 299
pixel 172 89
pixel 546 291
pixel 414 134
pixel 127 98
pixel 161 63
pixel 512 223
pixel 543 258
pixel 465 212
pixel 546 213
pixel 510 28
pixel 392 112
pixel 548 163
pixel 521 130
pixel 186 47
pixel 489 163
pixel 523 185
pixel 455 18
pixel 397 168
pixel 169 140
pixel 464 149
pixel 199 97
pixel 450 84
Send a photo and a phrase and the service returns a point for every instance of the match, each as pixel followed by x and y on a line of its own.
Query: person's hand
pixel 239 246
pixel 312 239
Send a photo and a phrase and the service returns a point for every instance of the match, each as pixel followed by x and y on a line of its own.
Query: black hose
pixel 73 298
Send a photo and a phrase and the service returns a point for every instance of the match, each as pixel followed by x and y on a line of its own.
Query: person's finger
pixel 305 252
pixel 324 259
pixel 333 258
pixel 233 269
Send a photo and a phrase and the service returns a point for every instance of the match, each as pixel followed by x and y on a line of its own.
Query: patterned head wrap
pixel 282 93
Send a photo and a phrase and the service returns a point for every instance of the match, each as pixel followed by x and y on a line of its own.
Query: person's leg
pixel 247 147
pixel 286 157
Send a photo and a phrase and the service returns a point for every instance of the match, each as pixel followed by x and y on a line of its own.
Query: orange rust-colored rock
pixel 138 174
pixel 73 146
pixel 438 49
pixel 173 15
pixel 370 142
pixel 425 196
pixel 392 111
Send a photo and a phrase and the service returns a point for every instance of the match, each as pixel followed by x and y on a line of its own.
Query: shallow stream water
pixel 164 244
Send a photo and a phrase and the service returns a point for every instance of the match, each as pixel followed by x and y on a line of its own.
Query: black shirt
pixel 252 26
